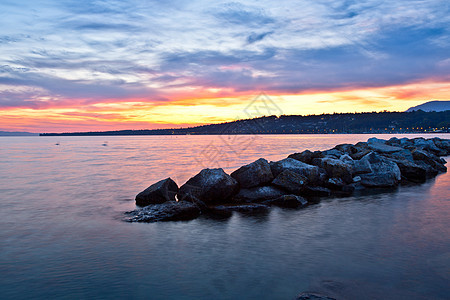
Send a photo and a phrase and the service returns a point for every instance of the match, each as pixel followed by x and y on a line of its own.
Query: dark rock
pixel 258 194
pixel 305 156
pixel 160 192
pixel 348 189
pixel 335 183
pixel 316 191
pixel 254 174
pixel 167 211
pixel 309 171
pixel 375 140
pixel 432 160
pixel 385 172
pixel 252 208
pixel 290 181
pixel 210 186
pixel 335 168
pixel 313 296
pixel 346 148
pixel 332 153
pixel 427 145
pixel 382 147
pixel 402 154
pixel 442 144
pixel 287 201
pixel 412 171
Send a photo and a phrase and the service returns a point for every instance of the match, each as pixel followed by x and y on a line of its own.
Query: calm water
pixel 61 233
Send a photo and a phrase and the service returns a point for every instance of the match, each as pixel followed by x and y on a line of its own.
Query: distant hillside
pixel 432 106
pixel 382 122
pixel 17 133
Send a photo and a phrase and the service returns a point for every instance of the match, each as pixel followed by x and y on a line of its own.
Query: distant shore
pixel 419 122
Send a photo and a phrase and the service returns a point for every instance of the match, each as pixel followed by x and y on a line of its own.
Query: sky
pixel 76 65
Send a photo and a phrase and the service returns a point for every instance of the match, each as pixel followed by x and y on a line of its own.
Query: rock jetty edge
pixel 294 182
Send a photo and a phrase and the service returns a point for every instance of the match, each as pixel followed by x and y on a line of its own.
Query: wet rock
pixel 402 154
pixel 160 192
pixel 346 148
pixel 430 159
pixel 335 168
pixel 427 145
pixel 385 173
pixel 212 186
pixel 335 183
pixel 412 171
pixel 316 191
pixel 167 211
pixel 290 181
pixel 306 156
pixel 444 145
pixel 382 147
pixel 254 174
pixel 313 296
pixel 309 171
pixel 252 208
pixel 332 153
pixel 287 201
pixel 357 179
pixel 258 194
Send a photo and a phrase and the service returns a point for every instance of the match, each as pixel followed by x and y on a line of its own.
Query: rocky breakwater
pixel 295 181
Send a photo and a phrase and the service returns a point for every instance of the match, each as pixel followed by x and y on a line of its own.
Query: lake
pixel 62 233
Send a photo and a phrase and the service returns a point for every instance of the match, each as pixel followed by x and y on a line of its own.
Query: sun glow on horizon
pixel 203 109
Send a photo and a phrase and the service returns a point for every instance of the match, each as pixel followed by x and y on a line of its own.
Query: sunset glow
pixel 111 65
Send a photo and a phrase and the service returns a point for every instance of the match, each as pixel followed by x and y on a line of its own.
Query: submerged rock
pixel 251 208
pixel 212 186
pixel 254 174
pixel 313 296
pixel 167 211
pixel 160 192
pixel 258 194
pixel 287 201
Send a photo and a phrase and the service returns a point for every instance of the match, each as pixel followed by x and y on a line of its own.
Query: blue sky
pixel 71 53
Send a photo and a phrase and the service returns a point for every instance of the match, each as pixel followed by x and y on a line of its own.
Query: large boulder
pixel 427 145
pixel 358 166
pixel 160 192
pixel 167 211
pixel 316 191
pixel 212 186
pixel 335 168
pixel 430 159
pixel 254 174
pixel 380 146
pixel 290 181
pixel 287 201
pixel 309 171
pixel 385 173
pixel 412 171
pixel 443 144
pixel 258 194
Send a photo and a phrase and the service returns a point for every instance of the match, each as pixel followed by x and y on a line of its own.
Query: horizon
pixel 123 65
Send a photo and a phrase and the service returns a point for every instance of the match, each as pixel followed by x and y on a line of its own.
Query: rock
pixel 383 148
pixel 442 144
pixel 375 140
pixel 316 191
pixel 427 145
pixel 335 183
pixel 432 160
pixel 335 168
pixel 305 156
pixel 245 208
pixel 254 174
pixel 258 194
pixel 287 201
pixel 332 153
pixel 361 149
pixel 313 296
pixel 402 154
pixel 412 171
pixel 290 181
pixel 309 171
pixel 160 192
pixel 385 172
pixel 211 186
pixel 346 158
pixel 357 179
pixel 167 211
pixel 346 148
